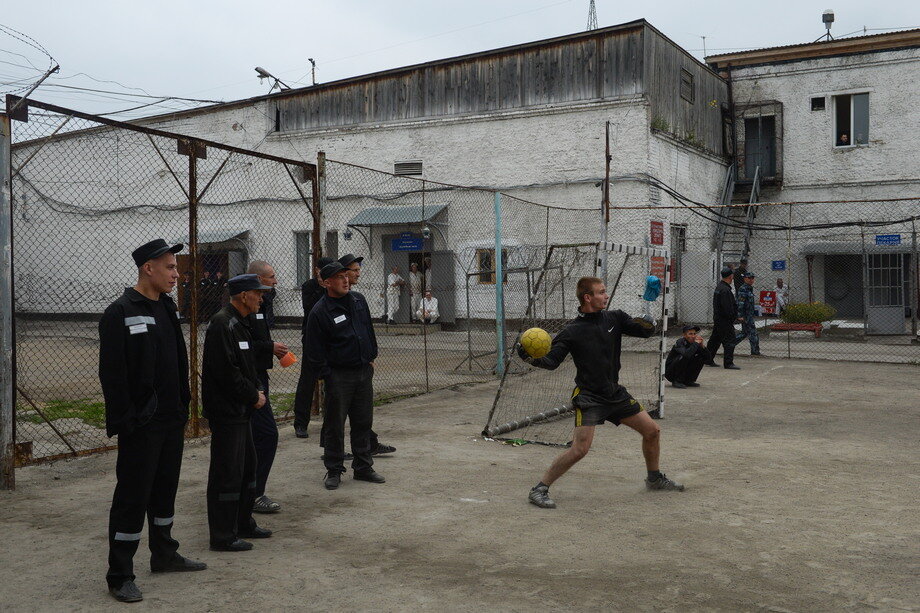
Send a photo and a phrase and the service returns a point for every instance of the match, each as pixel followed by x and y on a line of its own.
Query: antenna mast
pixel 592 17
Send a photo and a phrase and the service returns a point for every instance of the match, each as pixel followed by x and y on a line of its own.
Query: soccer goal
pixel 533 404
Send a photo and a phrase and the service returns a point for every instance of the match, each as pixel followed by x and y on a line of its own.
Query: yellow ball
pixel 536 342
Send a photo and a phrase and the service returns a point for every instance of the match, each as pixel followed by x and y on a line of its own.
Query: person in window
pixel 843 140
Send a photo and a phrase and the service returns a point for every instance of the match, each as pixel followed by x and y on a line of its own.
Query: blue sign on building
pixel 407 242
pixel 779 265
pixel 887 239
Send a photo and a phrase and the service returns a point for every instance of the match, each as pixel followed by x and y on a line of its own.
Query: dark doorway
pixel 760 146
pixel 843 285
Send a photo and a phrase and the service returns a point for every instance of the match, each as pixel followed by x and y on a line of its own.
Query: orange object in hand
pixel 287 359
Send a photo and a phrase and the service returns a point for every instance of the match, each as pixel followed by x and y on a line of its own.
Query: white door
pixel 696 285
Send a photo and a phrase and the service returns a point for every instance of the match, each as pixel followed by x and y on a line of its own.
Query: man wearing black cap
pixel 342 348
pixel 686 359
pixel 143 370
pixel 310 293
pixel 352 265
pixel 264 427
pixel 230 393
pixel 746 313
pixel 724 316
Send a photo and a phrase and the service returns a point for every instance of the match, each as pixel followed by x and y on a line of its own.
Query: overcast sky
pixel 208 50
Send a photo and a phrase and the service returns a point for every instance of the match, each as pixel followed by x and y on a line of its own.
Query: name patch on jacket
pixel 339 319
pixel 244 344
pixel 138 323
pixel 137 329
pixel 260 315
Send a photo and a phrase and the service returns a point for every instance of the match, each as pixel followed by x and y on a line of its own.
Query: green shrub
pixel 808 313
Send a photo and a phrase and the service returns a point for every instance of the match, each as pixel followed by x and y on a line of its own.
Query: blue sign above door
pixel 407 242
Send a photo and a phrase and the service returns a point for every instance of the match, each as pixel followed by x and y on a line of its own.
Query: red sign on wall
pixel 657 233
pixel 768 302
pixel 657 267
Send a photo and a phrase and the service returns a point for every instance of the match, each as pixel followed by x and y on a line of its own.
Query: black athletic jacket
pixel 594 340
pixel 261 324
pixel 127 361
pixel 229 384
pixel 724 307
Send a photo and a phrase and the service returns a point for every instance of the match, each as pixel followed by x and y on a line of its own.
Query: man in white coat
pixel 416 287
pixel 428 309
pixel 782 296
pixel 394 287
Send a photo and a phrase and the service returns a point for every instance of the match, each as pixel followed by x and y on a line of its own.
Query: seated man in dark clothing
pixel 686 359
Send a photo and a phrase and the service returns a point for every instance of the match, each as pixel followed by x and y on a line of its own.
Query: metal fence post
pixel 499 299
pixel 194 385
pixel 7 396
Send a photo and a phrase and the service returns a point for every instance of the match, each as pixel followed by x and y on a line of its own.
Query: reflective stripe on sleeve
pixel 139 319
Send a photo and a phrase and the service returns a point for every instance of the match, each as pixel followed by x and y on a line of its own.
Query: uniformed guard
pixel 310 293
pixel 746 313
pixel 230 393
pixel 264 427
pixel 143 369
pixel 724 315
pixel 342 348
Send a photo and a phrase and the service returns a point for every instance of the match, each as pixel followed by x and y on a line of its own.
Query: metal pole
pixel 789 276
pixel 912 286
pixel 319 196
pixel 469 329
pixel 193 262
pixel 7 396
pixel 605 209
pixel 499 298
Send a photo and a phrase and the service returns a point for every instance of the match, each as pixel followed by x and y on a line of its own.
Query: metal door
pixel 886 298
pixel 444 284
pixel 760 146
pixel 697 281
pixel 843 285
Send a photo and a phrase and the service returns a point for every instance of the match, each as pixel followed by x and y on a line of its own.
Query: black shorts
pixel 591 410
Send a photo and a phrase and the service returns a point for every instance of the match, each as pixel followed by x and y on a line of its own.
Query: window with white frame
pixel 851 120
pixel 303 253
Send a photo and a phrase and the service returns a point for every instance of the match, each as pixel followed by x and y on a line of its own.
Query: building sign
pixel 657 267
pixel 407 242
pixel 657 233
pixel 768 302
pixel 887 240
pixel 779 265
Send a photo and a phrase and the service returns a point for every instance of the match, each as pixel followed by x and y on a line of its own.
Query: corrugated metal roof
pixel 396 215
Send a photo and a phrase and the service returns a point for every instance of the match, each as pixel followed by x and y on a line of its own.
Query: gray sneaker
pixel 264 504
pixel 540 497
pixel 663 483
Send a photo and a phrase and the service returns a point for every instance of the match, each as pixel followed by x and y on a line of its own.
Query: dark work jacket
pixel 340 337
pixel 229 383
pixel 310 293
pixel 683 351
pixel 261 324
pixel 724 307
pixel 595 340
pixel 738 278
pixel 127 362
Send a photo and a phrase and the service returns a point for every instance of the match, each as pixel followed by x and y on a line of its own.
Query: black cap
pixel 153 250
pixel 749 275
pixel 727 272
pixel 689 327
pixel 330 270
pixel 324 262
pixel 349 258
pixel 243 283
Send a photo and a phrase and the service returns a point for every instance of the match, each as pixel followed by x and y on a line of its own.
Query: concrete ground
pixel 802 495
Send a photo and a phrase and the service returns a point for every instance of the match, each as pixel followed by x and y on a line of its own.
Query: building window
pixel 408 168
pixel 851 120
pixel 485 260
pixel 817 104
pixel 303 255
pixel 687 89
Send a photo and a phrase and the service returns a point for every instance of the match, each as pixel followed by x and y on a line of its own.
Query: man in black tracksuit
pixel 341 350
pixel 724 316
pixel 310 293
pixel 264 427
pixel 143 370
pixel 594 339
pixel 686 359
pixel 230 393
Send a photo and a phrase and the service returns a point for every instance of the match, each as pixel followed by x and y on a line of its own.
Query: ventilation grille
pixel 412 167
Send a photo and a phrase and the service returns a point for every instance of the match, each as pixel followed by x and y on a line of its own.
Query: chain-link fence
pixel 86 192
pixel 834 280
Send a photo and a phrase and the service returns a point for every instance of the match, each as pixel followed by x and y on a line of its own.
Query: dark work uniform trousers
pixel 687 370
pixel 264 437
pixel 349 394
pixel 231 481
pixel 303 398
pixel 147 472
pixel 723 334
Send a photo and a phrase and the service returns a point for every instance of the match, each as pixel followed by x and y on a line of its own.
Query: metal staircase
pixel 733 235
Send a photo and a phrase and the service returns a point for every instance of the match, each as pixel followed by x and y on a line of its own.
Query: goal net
pixel 534 404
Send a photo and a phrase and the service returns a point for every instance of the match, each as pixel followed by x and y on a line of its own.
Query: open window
pixel 851 120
